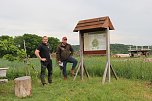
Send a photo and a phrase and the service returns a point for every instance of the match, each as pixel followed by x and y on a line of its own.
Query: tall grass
pixel 134 68
pixel 130 68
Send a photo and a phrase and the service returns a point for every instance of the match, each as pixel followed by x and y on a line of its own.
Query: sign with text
pixel 95 41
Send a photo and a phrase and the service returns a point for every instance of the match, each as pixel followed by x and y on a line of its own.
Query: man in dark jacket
pixel 64 55
pixel 43 53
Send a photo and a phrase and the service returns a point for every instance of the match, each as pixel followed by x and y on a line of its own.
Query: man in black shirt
pixel 43 53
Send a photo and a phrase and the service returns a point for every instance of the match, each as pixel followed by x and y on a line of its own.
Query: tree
pixel 119 48
pixel 53 43
pixel 31 40
pixel 9 51
pixel 5 37
pixel 7 46
pixel 19 41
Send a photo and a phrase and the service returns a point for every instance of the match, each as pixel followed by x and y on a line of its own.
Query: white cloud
pixel 131 18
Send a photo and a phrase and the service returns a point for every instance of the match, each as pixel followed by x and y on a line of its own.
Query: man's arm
pixel 38 55
pixel 58 52
pixel 71 49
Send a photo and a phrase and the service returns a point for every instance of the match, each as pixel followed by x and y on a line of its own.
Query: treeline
pixel 119 48
pixel 15 45
pixel 115 48
pixel 11 45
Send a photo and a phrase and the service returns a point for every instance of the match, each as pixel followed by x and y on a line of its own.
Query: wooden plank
pixel 93 19
pixel 89 24
pixel 105 73
pixel 99 52
pixel 88 27
pixel 86 72
pixel 102 22
pixel 114 73
pixel 77 71
pixel 93 30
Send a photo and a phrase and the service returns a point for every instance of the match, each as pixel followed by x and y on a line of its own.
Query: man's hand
pixel 43 59
pixel 59 62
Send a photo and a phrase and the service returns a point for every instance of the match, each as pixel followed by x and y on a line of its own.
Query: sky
pixel 57 18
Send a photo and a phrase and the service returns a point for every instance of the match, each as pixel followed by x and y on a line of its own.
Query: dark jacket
pixel 63 52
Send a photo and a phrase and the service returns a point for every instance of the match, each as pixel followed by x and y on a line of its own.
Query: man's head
pixel 64 40
pixel 45 39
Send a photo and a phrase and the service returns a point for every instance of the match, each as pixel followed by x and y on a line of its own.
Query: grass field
pixel 134 83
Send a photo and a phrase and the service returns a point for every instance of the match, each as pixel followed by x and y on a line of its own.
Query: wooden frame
pixel 92 25
pixel 98 51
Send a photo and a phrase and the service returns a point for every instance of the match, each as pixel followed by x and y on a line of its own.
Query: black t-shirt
pixel 45 51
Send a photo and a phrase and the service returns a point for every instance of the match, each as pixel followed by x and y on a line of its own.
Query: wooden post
pixel 26 60
pixel 23 86
pixel 107 68
pixel 81 65
pixel 81 54
pixel 108 53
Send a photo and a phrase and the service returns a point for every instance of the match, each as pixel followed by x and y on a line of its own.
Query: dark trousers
pixel 45 65
pixel 70 60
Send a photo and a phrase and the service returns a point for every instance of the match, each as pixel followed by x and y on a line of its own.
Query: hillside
pixel 115 48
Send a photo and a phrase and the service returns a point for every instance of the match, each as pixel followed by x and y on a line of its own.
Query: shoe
pixel 72 72
pixel 43 80
pixel 49 80
pixel 65 78
pixel 43 84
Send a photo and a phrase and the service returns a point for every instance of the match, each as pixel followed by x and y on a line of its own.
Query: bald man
pixel 43 53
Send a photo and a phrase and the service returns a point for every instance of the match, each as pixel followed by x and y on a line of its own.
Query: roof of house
pixel 95 23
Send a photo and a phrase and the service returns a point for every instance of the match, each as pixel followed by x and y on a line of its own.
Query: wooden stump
pixel 23 86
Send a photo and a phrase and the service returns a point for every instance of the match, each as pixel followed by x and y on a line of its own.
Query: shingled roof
pixel 95 23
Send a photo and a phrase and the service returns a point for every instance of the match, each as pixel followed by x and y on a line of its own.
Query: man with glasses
pixel 43 53
pixel 64 54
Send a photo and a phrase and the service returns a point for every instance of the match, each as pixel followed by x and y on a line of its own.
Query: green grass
pixel 86 90
pixel 134 83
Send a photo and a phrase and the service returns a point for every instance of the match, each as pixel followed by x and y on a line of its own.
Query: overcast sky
pixel 132 19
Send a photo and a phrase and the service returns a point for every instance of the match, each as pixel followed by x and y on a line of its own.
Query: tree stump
pixel 23 86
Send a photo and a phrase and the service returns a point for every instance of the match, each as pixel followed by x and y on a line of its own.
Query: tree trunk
pixel 23 86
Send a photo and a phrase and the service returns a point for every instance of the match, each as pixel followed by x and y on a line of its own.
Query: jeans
pixel 70 60
pixel 45 65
